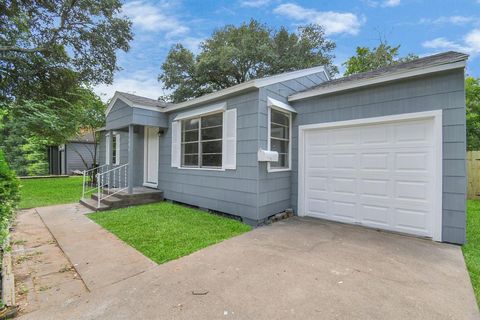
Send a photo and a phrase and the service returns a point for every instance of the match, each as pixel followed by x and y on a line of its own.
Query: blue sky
pixel 421 26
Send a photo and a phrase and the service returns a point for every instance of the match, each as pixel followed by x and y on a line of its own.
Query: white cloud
pixel 385 3
pixel 254 3
pixel 470 44
pixel 333 22
pixel 142 83
pixel 455 20
pixel 154 18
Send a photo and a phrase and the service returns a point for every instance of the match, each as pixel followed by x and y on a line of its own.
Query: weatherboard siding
pixel 75 151
pixel 230 191
pixel 439 91
pixel 275 188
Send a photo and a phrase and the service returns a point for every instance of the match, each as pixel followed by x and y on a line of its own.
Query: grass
pixel 471 250
pixel 49 191
pixel 165 231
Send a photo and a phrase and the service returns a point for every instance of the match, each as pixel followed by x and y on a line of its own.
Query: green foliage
pixel 9 197
pixel 49 45
pixel 472 90
pixel 471 249
pixel 233 55
pixel 367 59
pixel 35 151
pixel 165 231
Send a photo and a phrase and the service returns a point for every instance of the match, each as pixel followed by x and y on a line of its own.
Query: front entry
pixel 150 168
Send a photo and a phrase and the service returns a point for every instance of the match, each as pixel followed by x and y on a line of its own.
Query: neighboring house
pixel 383 149
pixel 75 155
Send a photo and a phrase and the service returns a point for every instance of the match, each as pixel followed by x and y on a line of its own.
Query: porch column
pixel 130 159
pixel 109 146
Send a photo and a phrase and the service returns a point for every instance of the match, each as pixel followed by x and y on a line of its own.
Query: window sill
pixel 279 170
pixel 204 169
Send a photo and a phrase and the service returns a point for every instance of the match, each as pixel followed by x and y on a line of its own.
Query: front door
pixel 150 177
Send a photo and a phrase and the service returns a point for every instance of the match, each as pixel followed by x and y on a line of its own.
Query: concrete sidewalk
pixel 294 269
pixel 100 258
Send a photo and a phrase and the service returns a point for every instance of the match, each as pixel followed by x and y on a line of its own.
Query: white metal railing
pixel 112 182
pixel 90 184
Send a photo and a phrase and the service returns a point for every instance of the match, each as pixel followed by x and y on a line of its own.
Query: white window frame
pixel 269 126
pixel 199 116
pixel 117 149
pixel 107 149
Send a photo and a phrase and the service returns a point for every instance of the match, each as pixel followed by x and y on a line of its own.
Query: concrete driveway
pixel 295 269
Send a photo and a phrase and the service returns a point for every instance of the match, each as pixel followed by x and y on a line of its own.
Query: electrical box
pixel 266 155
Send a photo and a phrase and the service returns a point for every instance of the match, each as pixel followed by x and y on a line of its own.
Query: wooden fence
pixel 473 174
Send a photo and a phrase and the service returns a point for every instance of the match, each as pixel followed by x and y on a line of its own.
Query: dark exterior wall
pixel 231 191
pixel 443 91
pixel 75 151
pixel 275 188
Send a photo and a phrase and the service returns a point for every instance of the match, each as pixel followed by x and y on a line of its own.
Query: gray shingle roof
pixel 142 100
pixel 429 61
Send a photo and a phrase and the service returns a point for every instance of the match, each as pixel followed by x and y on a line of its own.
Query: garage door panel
pixel 378 175
pixel 375 215
pixel 412 161
pixel 374 161
pixel 344 160
pixel 343 210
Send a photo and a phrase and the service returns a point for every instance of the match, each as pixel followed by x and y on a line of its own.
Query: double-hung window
pixel 201 140
pixel 280 136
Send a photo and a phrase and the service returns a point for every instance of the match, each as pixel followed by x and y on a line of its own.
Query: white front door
pixel 150 169
pixel 380 175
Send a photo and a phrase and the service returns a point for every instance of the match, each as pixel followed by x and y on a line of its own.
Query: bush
pixel 9 197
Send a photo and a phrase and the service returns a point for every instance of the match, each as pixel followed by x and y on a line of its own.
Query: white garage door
pixel 380 175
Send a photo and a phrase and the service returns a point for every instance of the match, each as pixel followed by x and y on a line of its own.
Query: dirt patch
pixel 43 274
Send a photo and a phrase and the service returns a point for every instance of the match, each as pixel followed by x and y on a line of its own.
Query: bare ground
pixel 43 274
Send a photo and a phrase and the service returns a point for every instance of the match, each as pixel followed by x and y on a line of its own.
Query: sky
pixel 421 27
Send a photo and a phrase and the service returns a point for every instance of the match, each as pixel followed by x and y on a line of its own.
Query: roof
pixel 438 62
pixel 248 85
pixel 136 101
pixel 142 100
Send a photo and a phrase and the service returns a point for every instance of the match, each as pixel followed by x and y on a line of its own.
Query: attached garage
pixel 380 172
pixel 385 149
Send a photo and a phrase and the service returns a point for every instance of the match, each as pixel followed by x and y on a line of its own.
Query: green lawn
pixel 471 250
pixel 165 231
pixel 49 191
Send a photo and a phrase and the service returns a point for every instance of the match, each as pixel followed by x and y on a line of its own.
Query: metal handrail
pixel 112 181
pixel 92 183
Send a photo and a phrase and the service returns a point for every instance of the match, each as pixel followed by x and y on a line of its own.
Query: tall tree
pixel 472 90
pixel 367 59
pixel 52 43
pixel 233 55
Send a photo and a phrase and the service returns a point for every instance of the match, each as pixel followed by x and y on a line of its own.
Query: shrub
pixel 9 197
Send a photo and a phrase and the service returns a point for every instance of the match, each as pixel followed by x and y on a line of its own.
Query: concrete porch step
pixel 92 205
pixel 112 202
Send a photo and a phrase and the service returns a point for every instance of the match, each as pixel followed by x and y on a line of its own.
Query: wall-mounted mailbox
pixel 265 155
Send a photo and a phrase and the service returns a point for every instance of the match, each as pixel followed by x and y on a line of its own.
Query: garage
pixel 383 172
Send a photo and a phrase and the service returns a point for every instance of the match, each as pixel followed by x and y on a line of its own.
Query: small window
pixel 116 149
pixel 280 123
pixel 202 141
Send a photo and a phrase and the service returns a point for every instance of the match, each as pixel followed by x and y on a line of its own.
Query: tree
pixel 52 43
pixel 233 55
pixel 367 59
pixel 472 90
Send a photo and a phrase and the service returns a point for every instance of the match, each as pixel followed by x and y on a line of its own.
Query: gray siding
pixel 75 151
pixel 138 152
pixel 231 191
pixel 441 91
pixel 121 115
pixel 275 188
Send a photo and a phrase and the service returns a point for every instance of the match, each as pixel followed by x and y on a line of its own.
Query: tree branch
pixel 24 50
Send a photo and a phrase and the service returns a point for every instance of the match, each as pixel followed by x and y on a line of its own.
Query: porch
pixel 128 155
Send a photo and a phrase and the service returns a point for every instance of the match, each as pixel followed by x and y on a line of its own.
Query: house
pixel 383 149
pixel 75 155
